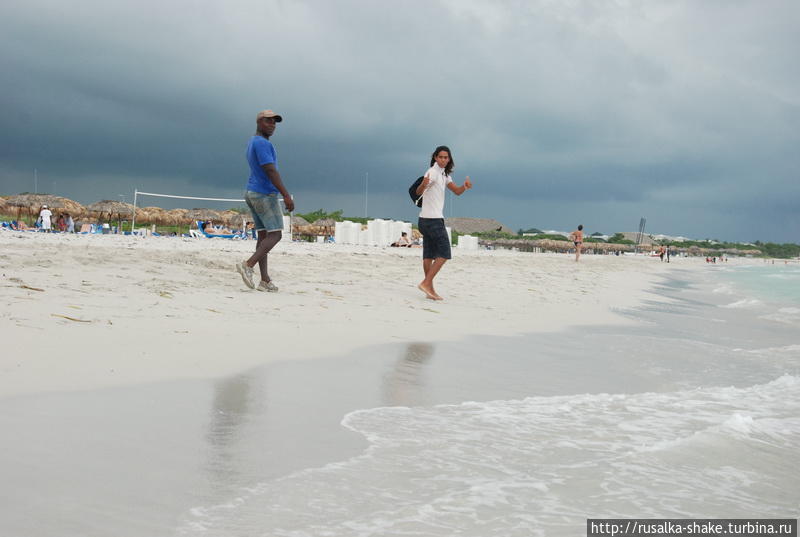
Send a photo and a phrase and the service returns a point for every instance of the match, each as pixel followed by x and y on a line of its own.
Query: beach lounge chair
pixel 212 235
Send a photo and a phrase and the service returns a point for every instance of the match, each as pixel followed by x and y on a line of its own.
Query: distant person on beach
pixel 209 228
pixel 263 187
pixel 403 241
pixel 436 243
pixel 61 223
pixel 661 252
pixel 44 216
pixel 70 223
pixel 577 239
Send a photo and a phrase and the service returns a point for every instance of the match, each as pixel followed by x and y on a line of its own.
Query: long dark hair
pixel 450 165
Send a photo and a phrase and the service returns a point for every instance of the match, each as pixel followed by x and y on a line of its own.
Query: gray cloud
pixel 684 112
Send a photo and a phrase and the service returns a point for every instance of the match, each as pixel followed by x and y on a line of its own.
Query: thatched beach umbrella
pixel 308 229
pixel 29 200
pixel 33 202
pixel 178 217
pixel 111 208
pixel 202 214
pixel 72 207
pixel 299 225
pixel 325 226
pixel 151 215
pixel 233 219
pixel 299 221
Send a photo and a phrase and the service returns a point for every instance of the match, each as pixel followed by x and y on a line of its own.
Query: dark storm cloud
pixel 684 111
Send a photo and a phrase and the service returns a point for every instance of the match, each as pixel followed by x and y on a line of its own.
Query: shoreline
pixel 115 311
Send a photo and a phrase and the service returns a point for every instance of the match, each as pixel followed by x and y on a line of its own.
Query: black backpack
pixel 416 199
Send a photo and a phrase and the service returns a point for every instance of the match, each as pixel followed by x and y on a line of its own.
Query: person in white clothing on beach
pixel 45 214
pixel 436 243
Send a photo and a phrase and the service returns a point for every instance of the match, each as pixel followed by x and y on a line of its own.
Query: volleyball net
pixel 137 193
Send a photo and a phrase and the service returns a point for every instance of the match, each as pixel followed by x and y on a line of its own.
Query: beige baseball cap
pixel 269 113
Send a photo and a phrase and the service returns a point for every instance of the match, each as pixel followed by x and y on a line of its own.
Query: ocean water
pixel 695 413
pixel 772 289
pixel 691 411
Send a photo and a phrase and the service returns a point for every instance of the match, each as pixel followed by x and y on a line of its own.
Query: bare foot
pixel 436 296
pixel 428 291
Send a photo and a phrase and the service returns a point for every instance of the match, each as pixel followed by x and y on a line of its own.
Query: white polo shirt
pixel 433 196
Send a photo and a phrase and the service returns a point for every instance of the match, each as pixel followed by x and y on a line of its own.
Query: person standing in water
pixel 577 240
pixel 436 243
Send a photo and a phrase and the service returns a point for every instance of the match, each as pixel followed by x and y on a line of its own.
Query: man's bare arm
pixel 275 177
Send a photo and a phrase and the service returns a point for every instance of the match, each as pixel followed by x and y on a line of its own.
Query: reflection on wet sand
pixel 230 409
pixel 404 385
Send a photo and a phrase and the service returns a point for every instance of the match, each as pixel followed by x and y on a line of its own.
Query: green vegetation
pixel 593 239
pixel 712 245
pixel 356 219
pixel 531 230
pixel 768 249
pixel 494 235
pixel 619 238
pixel 319 214
pixel 552 237
pixel 781 251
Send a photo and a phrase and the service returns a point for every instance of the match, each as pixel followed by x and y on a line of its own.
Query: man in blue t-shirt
pixel 263 187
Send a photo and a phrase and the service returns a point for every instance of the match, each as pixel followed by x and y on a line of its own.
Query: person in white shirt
pixel 45 214
pixel 436 243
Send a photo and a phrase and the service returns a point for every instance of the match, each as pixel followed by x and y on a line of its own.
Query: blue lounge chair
pixel 212 235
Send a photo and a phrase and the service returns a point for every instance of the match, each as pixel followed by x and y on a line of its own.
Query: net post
pixel 133 219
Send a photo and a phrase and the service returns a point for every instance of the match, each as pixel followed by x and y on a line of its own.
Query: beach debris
pixel 23 285
pixel 31 288
pixel 430 310
pixel 74 307
pixel 165 294
pixel 329 294
pixel 67 317
pixel 213 311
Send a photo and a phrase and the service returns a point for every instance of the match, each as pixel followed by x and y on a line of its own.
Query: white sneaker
pixel 267 286
pixel 246 273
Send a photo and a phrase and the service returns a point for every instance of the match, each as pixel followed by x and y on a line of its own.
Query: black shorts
pixel 435 242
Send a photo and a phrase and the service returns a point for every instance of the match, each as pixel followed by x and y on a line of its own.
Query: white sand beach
pixel 92 311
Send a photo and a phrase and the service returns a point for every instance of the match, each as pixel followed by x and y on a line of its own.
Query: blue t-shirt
pixel 260 151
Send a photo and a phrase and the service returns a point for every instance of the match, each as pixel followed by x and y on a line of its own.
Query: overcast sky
pixel 562 112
